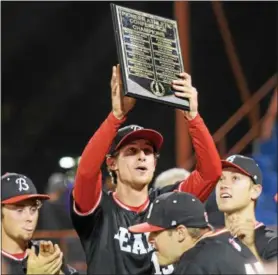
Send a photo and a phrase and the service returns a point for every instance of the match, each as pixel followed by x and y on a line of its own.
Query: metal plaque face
pixel 149 55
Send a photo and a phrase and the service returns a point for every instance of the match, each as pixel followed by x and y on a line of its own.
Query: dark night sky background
pixel 56 66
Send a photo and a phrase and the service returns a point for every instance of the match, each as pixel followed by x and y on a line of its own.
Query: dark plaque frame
pixel 149 54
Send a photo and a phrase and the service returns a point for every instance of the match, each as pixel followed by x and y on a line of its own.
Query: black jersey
pixel 218 254
pixel 17 266
pixel 109 247
pixel 266 242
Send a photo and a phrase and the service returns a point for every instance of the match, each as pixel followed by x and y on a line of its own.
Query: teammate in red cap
pixel 20 254
pixel 237 191
pixel 102 219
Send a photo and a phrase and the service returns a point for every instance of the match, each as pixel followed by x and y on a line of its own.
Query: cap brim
pixel 148 134
pixel 144 228
pixel 226 164
pixel 25 197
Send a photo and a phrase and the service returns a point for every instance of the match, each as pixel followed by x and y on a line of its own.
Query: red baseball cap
pixel 130 133
pixel 245 165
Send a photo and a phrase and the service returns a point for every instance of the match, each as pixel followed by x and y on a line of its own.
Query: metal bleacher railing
pixel 250 103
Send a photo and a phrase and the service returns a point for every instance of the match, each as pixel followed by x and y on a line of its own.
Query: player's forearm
pixel 87 187
pixel 208 159
pixel 201 181
pixel 98 146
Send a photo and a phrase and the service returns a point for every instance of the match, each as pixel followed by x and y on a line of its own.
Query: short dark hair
pixel 252 183
pixel 194 233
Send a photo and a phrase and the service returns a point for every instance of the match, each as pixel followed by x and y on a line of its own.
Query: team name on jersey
pixel 133 243
pixel 138 244
pixel 255 268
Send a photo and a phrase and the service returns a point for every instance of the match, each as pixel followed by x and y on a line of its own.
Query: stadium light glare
pixel 66 162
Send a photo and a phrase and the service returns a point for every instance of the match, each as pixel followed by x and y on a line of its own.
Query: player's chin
pixel 162 260
pixel 225 208
pixel 139 185
pixel 27 236
pixel 143 180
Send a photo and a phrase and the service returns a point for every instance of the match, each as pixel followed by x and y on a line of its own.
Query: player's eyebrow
pixel 232 170
pixel 28 203
pixel 236 173
pixel 14 206
pixel 21 205
pixel 146 143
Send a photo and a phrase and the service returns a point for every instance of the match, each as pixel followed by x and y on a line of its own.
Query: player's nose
pixel 225 183
pixel 141 155
pixel 223 187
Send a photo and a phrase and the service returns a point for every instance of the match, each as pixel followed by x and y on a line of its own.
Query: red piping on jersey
pixel 88 181
pixel 219 231
pixel 89 212
pixel 257 225
pixel 137 209
pixel 16 257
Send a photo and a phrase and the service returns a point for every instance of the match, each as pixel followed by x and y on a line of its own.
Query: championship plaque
pixel 149 55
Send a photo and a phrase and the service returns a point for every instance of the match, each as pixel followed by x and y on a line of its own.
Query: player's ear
pixel 155 162
pixel 156 157
pixel 111 163
pixel 256 191
pixel 181 233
